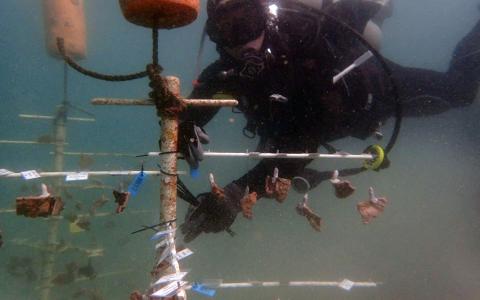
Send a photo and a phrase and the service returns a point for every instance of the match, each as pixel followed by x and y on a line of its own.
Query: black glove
pixel 191 138
pixel 212 214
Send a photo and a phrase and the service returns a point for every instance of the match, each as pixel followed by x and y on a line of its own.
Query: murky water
pixel 425 246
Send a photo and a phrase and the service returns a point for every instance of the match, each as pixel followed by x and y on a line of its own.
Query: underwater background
pixel 426 245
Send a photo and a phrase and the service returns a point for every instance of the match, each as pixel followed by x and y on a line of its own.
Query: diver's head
pixel 233 23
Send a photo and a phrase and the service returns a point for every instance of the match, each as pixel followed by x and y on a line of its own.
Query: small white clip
pixel 372 196
pixel 247 191
pixel 211 179
pixel 334 178
pixel 305 199
pixel 346 284
pixel 45 192
pixel 275 175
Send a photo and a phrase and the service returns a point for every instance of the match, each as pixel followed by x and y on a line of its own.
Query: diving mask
pixel 235 22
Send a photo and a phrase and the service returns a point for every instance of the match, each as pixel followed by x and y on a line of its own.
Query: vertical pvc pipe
pixel 168 143
pixel 60 136
pixel 168 183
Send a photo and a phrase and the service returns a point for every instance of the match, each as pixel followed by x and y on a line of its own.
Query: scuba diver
pixel 278 59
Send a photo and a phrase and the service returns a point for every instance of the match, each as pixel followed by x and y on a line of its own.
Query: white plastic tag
pixel 169 290
pixel 31 174
pixel 184 253
pixel 166 253
pixel 346 284
pixel 77 176
pixel 161 243
pixel 5 172
pixel 171 277
pixel 160 234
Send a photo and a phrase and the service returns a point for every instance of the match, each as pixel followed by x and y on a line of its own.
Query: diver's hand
pixel 191 138
pixel 213 214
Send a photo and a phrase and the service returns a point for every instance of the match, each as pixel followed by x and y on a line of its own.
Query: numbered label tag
pixel 31 174
pixel 172 277
pixel 134 187
pixel 167 252
pixel 184 253
pixel 5 172
pixel 170 289
pixel 346 284
pixel 77 176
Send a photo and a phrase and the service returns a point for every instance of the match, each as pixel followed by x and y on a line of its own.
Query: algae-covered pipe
pixel 60 135
pixel 168 183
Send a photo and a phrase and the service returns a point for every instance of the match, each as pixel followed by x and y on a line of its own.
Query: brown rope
pixel 73 64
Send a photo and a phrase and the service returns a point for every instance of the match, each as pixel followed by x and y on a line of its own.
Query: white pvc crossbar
pixel 41 117
pixel 280 155
pixel 251 284
pixel 92 173
pixel 28 142
pixel 70 153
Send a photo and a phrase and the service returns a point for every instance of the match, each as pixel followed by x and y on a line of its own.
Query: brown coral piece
pixel 39 206
pixel 165 263
pixel 277 188
pixel 217 192
pixel 67 277
pixel 88 270
pixel 136 295
pixel 63 278
pixel 343 188
pixel 58 206
pixel 371 208
pixel 160 267
pixel 97 204
pixel 312 218
pixel 83 223
pixel 85 161
pixel 121 198
pixel 247 203
pixel 45 139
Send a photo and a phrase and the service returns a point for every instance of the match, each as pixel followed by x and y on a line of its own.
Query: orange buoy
pixel 65 19
pixel 161 13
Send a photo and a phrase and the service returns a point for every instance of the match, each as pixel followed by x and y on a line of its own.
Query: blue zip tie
pixel 194 173
pixel 202 290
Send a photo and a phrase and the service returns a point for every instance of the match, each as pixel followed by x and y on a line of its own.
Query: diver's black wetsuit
pixel 300 68
pixel 292 104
